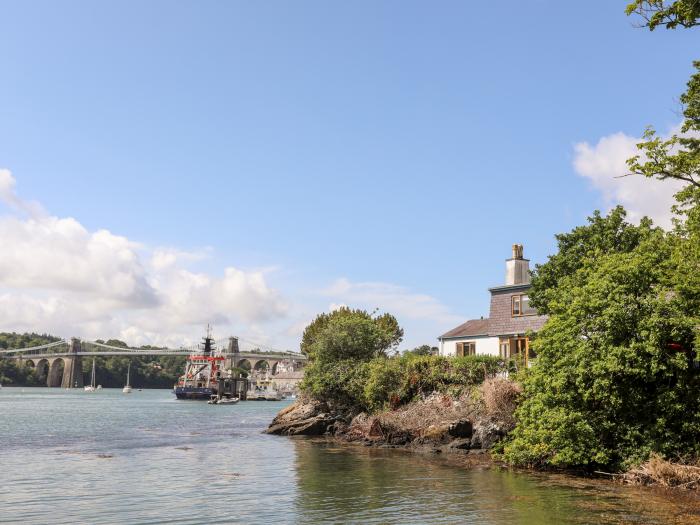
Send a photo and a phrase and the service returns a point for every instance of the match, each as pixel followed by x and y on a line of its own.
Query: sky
pixel 165 164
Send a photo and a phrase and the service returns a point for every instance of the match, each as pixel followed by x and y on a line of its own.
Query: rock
pixel 461 429
pixel 437 432
pixel 359 420
pixel 302 418
pixel 486 434
pixel 460 444
pixel 399 438
pixel 375 430
pixel 337 428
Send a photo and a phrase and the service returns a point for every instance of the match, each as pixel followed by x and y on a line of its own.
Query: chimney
pixel 517 267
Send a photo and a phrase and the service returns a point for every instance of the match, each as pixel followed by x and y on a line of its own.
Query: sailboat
pixel 91 387
pixel 127 387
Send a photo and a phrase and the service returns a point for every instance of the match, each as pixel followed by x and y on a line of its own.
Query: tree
pixel 614 379
pixel 350 333
pixel 679 156
pixel 423 350
pixel 684 13
pixel 600 237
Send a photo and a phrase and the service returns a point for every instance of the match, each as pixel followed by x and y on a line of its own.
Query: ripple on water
pixel 145 458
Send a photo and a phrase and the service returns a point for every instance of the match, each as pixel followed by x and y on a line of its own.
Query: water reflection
pixel 341 484
pixel 71 457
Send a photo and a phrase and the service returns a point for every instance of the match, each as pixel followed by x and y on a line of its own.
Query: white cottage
pixel 511 317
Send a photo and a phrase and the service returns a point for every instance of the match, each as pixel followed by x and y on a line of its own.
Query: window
pixel 520 305
pixel 466 349
pixel 525 305
pixel 517 348
pixel 516 305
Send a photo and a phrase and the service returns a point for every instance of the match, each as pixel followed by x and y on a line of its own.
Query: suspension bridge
pixel 61 361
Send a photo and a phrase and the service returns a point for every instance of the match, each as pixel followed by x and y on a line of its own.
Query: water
pixel 75 457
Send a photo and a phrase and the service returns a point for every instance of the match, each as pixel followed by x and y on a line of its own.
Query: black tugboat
pixel 203 373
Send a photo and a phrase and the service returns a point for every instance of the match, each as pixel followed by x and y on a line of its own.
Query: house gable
pixel 501 318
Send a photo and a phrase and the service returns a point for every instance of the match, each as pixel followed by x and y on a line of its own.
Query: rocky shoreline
pixel 471 436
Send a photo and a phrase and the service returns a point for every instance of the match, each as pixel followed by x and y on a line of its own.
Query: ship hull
pixel 191 392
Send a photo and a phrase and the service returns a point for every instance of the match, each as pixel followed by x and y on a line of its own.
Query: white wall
pixel 484 345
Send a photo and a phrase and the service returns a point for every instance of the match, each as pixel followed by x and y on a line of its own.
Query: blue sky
pixel 375 153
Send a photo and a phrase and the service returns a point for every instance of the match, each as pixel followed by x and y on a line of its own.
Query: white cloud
pixel 60 254
pixel 422 316
pixel 390 298
pixel 163 258
pixel 8 195
pixel 604 164
pixel 57 276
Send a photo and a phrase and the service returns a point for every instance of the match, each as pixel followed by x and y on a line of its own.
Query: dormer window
pixel 520 305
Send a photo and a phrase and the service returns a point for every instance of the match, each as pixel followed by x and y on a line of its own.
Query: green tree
pixel 614 379
pixel 677 157
pixel 422 350
pixel 600 237
pixel 684 13
pixel 350 334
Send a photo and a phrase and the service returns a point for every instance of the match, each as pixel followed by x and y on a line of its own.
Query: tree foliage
pixel 617 374
pixel 350 334
pixel 615 378
pixel 600 237
pixel 422 350
pixel 684 13
pixel 389 383
pixel 677 157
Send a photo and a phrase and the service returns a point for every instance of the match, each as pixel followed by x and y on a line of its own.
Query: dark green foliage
pixel 600 237
pixel 383 382
pixel 423 350
pixel 348 364
pixel 341 382
pixel 146 371
pixel 350 334
pixel 614 379
pixel 395 382
pixel 26 340
pixel 11 372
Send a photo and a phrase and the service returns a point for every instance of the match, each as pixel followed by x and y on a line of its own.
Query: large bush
pixel 614 379
pixel 394 382
pixel 391 382
pixel 346 333
pixel 348 364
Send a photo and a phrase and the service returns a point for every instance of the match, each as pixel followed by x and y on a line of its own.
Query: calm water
pixel 75 457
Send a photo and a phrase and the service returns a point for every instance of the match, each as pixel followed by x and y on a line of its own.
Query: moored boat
pixel 91 387
pixel 202 373
pixel 127 387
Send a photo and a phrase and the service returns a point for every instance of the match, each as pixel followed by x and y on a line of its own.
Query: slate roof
pixel 471 328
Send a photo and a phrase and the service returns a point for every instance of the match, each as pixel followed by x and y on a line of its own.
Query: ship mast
pixel 208 342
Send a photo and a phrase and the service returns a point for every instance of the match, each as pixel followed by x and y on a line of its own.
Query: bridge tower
pixel 232 352
pixel 73 367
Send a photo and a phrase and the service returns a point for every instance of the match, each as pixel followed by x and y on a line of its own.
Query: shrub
pixel 501 398
pixel 341 382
